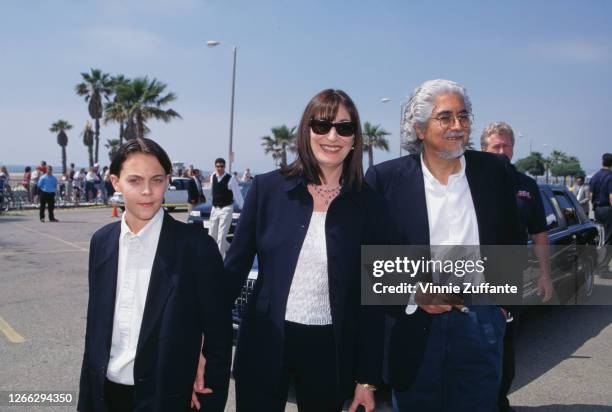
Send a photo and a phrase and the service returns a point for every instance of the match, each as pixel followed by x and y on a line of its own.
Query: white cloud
pixel 577 51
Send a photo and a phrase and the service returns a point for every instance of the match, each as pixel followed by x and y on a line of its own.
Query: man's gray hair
pixel 417 109
pixel 501 128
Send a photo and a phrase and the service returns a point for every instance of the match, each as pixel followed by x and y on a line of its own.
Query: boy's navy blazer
pixel 273 225
pixel 400 183
pixel 183 302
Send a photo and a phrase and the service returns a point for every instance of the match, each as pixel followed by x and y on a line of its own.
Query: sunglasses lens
pixel 345 129
pixel 320 126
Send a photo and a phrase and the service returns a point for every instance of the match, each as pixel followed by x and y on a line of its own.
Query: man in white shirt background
pixel 225 191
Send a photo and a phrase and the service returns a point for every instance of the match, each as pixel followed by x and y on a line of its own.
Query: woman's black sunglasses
pixel 322 126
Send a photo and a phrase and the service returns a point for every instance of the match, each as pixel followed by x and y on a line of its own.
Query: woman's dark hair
pixel 325 106
pixel 28 169
pixel 140 145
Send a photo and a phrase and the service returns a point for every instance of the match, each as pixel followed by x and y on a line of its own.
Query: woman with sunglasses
pixel 306 224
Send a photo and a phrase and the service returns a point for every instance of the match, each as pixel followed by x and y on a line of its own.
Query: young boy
pixel 154 290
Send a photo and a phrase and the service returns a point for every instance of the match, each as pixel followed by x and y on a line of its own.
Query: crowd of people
pixel 76 185
pixel 79 185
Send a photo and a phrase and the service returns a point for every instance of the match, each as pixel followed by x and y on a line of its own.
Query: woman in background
pixel 25 182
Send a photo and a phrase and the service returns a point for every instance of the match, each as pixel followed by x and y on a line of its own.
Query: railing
pixel 15 196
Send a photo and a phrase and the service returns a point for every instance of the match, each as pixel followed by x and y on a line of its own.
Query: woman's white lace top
pixel 308 301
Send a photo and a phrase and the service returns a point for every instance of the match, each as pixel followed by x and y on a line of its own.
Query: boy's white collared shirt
pixel 136 256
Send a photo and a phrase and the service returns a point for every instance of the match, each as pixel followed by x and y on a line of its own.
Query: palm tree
pixel 113 146
pixel 60 128
pixel 94 88
pixel 374 138
pixel 144 99
pixel 88 140
pixel 116 111
pixel 282 140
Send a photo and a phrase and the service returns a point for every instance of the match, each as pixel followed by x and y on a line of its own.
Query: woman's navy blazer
pixel 273 225
pixel 184 301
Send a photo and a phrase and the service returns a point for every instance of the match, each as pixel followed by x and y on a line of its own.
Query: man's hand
pixel 545 287
pixel 198 384
pixel 363 397
pixel 436 303
pixel 541 249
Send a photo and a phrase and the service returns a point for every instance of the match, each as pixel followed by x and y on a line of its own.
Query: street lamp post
pixel 387 100
pixel 213 43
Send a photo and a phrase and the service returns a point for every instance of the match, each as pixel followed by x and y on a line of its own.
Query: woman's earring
pixel 352 147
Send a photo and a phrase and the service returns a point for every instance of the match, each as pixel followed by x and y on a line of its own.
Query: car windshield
pixel 179 183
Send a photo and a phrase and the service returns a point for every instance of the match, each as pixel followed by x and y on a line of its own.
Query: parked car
pixel 201 214
pixel 241 303
pixel 575 248
pixel 176 194
pixel 575 254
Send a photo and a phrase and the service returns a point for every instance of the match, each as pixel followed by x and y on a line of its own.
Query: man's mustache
pixel 453 134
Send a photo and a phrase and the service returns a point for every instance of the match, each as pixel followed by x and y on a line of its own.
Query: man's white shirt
pixel 136 256
pixel 450 212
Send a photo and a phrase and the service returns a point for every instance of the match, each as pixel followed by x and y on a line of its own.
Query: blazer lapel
pixel 412 207
pixel 105 269
pixel 162 281
pixel 480 184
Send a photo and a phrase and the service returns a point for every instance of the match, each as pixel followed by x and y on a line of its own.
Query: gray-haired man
pixel 439 358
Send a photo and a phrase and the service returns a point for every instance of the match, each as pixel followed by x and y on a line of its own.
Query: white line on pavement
pixel 10 333
pixel 51 237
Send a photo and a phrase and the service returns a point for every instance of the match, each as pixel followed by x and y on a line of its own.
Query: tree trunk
pixel 120 133
pixel 97 138
pixel 63 159
pixel 90 151
pixel 139 126
pixel 370 156
pixel 284 155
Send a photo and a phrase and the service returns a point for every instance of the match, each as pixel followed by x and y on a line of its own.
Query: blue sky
pixel 544 67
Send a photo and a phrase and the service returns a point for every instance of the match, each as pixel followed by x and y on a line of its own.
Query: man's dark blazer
pixel 183 302
pixel 273 225
pixel 193 194
pixel 400 183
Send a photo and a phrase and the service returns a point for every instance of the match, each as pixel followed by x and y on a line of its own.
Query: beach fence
pixel 16 196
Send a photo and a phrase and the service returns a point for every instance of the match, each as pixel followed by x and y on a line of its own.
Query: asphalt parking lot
pixel 564 353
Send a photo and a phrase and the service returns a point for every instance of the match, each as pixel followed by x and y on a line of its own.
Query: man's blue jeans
pixel 461 369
